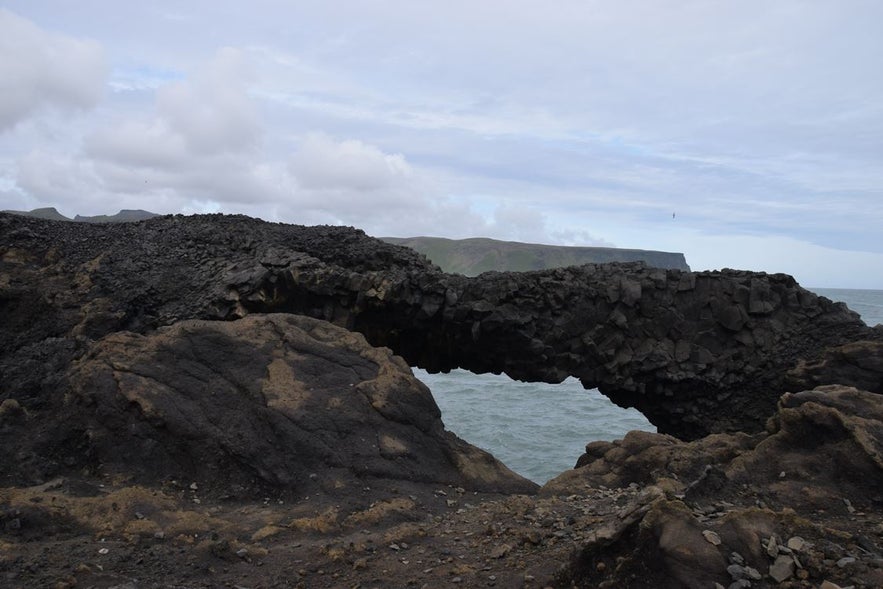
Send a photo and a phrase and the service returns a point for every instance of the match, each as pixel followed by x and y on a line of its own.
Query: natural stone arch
pixel 696 352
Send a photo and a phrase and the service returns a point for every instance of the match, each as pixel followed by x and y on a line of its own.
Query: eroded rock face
pixel 829 440
pixel 859 363
pixel 277 400
pixel 696 352
pixel 811 487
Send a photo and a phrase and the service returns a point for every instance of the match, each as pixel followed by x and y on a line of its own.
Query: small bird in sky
pixel 672 215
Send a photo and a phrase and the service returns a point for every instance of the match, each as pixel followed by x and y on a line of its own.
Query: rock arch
pixel 696 352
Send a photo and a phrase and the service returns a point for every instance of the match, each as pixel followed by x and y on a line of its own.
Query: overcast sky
pixel 745 134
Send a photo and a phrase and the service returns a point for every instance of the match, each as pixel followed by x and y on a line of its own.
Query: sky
pixel 744 134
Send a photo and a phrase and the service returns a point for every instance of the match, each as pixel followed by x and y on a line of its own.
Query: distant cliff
pixel 52 214
pixel 471 257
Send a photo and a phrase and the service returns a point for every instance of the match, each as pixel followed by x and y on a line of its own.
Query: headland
pixel 216 400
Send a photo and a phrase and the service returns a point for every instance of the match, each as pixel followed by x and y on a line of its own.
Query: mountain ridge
pixel 52 214
pixel 475 255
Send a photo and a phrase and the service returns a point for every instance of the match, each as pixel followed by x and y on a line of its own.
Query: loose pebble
pixel 796 543
pixel 782 568
pixel 736 572
pixel 845 561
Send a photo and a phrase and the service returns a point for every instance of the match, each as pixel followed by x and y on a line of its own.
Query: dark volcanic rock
pixel 279 400
pixel 816 475
pixel 829 440
pixel 858 363
pixel 142 369
pixel 696 352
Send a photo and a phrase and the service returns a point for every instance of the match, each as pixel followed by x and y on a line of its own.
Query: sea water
pixel 539 430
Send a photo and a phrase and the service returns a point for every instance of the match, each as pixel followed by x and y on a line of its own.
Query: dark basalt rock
pixel 165 372
pixel 829 440
pixel 821 458
pixel 280 401
pixel 859 363
pixel 696 352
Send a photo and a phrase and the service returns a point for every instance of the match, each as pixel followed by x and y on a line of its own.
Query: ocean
pixel 539 430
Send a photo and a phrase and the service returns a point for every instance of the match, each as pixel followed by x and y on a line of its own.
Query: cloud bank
pixel 40 69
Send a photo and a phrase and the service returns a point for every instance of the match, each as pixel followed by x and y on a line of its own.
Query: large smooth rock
pixel 284 401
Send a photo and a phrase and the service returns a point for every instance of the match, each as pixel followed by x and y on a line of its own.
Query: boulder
pixel 858 363
pixel 280 401
pixel 798 500
pixel 821 446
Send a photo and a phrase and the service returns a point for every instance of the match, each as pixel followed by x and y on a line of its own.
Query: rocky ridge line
pixel 696 352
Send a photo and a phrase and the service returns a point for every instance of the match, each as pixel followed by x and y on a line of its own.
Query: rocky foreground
pixel 199 402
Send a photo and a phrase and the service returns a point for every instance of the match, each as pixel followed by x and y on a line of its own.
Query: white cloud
pixel 42 69
pixel 57 178
pixel 212 111
pixel 351 182
pixel 209 114
pixel 140 144
pixel 323 163
pixel 200 145
pixel 197 151
pixel 578 238
pixel 197 145
pixel 520 223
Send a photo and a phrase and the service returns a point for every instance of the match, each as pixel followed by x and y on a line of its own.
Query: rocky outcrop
pixel 829 438
pixel 696 352
pixel 799 502
pixel 859 363
pixel 282 401
pixel 196 401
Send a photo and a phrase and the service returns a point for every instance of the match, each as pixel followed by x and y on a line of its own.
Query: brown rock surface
pixel 282 401
pixel 817 475
pixel 859 363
